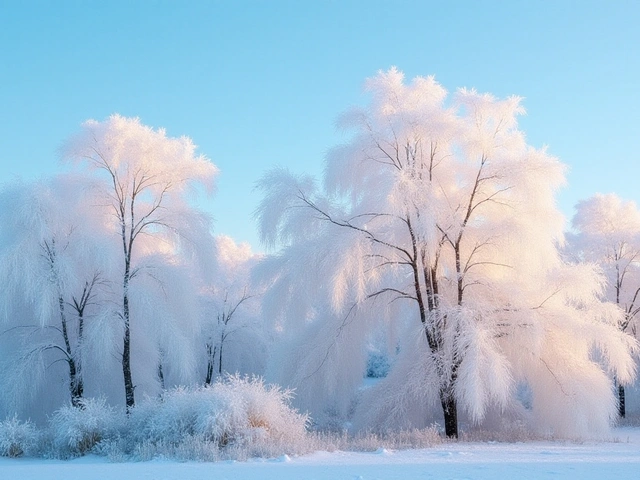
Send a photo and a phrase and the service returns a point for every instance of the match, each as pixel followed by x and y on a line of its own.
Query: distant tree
pixel 608 234
pixel 50 272
pixel 235 337
pixel 144 176
pixel 442 218
pixel 224 328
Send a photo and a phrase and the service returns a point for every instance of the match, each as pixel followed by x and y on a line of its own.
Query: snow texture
pixel 618 458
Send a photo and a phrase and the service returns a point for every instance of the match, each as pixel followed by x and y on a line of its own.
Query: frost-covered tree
pixel 438 222
pixel 608 234
pixel 224 325
pixel 235 337
pixel 51 269
pixel 144 177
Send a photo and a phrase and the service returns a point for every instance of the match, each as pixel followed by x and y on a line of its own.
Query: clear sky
pixel 259 83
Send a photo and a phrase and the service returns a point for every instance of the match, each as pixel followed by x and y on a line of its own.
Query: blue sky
pixel 259 83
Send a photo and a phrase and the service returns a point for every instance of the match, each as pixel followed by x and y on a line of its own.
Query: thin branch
pixel 346 224
pixel 394 290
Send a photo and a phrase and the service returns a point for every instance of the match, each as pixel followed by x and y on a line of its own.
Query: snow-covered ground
pixel 619 459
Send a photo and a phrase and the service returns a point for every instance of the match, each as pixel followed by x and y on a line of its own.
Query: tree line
pixel 434 237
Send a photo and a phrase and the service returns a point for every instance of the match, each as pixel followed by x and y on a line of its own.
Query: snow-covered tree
pixel 51 268
pixel 144 177
pixel 608 234
pixel 235 335
pixel 438 222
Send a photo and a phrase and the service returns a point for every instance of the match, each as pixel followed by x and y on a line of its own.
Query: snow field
pixel 618 458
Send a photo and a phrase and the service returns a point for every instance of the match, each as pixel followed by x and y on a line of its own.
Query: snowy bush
pixel 236 412
pixel 17 438
pixel 76 431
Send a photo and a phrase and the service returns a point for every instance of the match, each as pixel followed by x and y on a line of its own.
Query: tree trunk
pixel 126 348
pixel 77 382
pixel 75 378
pixel 450 410
pixel 161 376
pixel 220 356
pixel 126 369
pixel 450 405
pixel 622 411
pixel 76 385
pixel 210 361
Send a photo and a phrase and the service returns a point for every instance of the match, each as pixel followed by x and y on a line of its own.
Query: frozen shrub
pixel 235 412
pixel 76 431
pixel 113 448
pixel 268 411
pixel 17 438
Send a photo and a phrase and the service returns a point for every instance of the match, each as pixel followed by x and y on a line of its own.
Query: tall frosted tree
pixel 144 177
pixel 608 234
pixel 436 220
